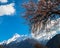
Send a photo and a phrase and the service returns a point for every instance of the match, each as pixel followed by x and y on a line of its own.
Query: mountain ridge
pixel 16 37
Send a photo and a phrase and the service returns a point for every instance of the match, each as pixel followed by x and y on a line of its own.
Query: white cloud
pixel 3 1
pixel 7 9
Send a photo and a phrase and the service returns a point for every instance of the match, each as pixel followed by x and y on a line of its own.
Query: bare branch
pixel 41 12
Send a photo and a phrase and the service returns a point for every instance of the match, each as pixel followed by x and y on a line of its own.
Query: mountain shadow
pixel 54 42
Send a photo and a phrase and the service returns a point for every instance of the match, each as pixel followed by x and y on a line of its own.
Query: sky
pixel 11 20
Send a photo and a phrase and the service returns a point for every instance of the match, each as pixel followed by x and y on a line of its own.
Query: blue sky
pixel 11 21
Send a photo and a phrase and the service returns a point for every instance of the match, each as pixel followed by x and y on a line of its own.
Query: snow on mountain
pixel 3 42
pixel 52 29
pixel 42 37
pixel 16 38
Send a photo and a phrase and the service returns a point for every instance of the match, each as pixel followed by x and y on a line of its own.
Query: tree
pixel 40 13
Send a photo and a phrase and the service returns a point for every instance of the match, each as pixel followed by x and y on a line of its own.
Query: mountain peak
pixel 15 37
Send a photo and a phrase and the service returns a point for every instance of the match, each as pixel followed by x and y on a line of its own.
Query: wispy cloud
pixel 7 9
pixel 3 1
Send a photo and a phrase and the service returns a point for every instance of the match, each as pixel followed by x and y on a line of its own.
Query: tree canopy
pixel 38 13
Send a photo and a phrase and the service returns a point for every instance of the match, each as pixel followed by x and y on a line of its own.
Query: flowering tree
pixel 38 14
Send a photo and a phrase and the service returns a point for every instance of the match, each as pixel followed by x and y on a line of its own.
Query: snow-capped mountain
pixel 15 38
pixel 42 37
pixel 50 31
pixel 20 41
